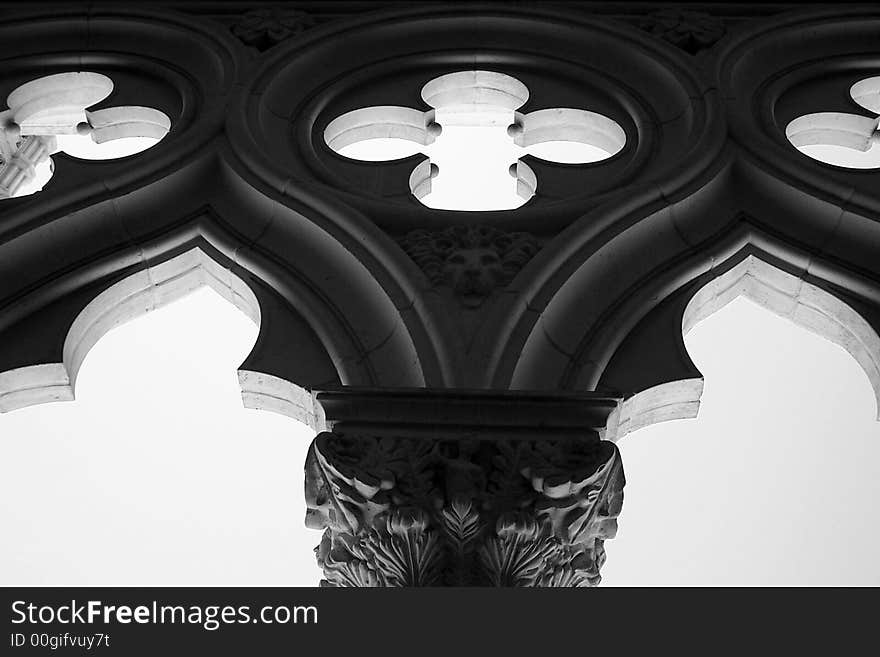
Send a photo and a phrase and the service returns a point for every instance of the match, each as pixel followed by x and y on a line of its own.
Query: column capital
pixel 456 488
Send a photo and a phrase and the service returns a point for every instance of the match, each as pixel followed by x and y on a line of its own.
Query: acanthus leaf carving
pixel 463 527
pixel 462 524
pixel 496 513
pixel 398 550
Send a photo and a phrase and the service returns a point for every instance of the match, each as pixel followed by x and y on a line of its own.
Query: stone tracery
pixel 473 99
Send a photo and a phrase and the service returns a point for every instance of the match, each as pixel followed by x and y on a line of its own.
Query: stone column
pixel 447 488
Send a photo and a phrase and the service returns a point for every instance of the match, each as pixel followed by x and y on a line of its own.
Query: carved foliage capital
pixel 423 512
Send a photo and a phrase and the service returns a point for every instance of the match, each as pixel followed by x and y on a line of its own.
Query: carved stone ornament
pixel 423 512
pixel 690 30
pixel 472 260
pixel 264 28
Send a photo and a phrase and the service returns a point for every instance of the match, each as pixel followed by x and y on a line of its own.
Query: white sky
pixel 157 475
pixel 775 483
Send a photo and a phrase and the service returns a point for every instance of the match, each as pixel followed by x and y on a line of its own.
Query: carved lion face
pixel 471 260
pixel 473 273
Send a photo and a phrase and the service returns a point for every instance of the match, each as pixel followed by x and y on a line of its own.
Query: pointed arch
pixel 784 294
pixel 136 295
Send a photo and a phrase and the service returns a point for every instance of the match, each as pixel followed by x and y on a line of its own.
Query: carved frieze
pixel 434 512
pixel 471 260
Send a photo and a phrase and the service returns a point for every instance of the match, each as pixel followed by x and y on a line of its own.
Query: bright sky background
pixel 157 475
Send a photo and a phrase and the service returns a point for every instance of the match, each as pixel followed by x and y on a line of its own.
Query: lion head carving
pixel 472 260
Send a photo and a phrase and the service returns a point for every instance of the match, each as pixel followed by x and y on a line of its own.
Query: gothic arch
pixel 619 346
pixel 136 295
pixel 804 304
pixel 303 340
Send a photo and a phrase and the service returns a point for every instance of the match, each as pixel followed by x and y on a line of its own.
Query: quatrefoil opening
pixel 474 139
pixel 842 139
pixel 49 115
